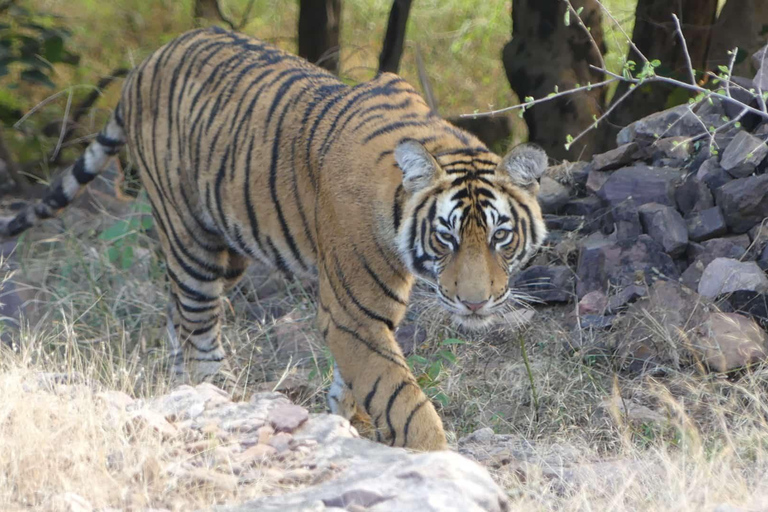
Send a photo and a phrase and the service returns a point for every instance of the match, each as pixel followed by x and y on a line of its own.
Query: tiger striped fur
pixel 247 152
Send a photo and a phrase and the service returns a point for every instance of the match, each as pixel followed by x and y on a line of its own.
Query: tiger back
pixel 249 153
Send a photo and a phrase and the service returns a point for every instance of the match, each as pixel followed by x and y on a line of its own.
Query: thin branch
pixel 684 85
pixel 679 31
pixel 63 127
pixel 245 19
pixel 605 114
pixel 551 97
pixel 589 34
pixel 426 86
pixel 730 71
pixel 623 32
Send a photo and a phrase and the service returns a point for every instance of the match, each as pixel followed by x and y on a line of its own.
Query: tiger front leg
pixel 373 369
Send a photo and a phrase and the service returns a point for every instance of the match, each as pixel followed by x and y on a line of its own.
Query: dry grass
pixel 707 444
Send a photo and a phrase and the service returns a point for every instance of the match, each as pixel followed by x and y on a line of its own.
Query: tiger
pixel 247 152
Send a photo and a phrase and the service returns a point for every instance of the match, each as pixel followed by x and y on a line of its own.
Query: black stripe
pixel 408 421
pixel 348 290
pixel 386 289
pixel 390 403
pixel 370 395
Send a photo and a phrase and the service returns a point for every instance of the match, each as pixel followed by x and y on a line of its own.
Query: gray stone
pixel 677 148
pixel 596 180
pixel 409 337
pixel 626 296
pixel 759 60
pixel 693 196
pixel 603 262
pixel 626 220
pixel 673 122
pixel 584 206
pixel 762 260
pixel 614 158
pixel 564 222
pixel 546 283
pixel 729 341
pixel 744 202
pixel 665 225
pixel 726 275
pixel 705 224
pixel 552 195
pixel 641 184
pixel 703 254
pixel 743 155
pixel 712 174
pixel 377 478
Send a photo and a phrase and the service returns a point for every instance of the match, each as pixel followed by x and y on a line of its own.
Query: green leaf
pixel 655 63
pixel 723 68
pixel 126 257
pixel 567 17
pixel 115 231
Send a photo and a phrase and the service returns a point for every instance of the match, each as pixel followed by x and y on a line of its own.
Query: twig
pixel 63 127
pixel 552 96
pixel 534 393
pixel 623 32
pixel 426 86
pixel 588 33
pixel 679 31
pixel 684 85
pixel 730 72
pixel 603 116
pixel 246 15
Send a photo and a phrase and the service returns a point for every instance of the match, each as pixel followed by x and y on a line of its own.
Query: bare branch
pixel 63 131
pixel 605 114
pixel 587 32
pixel 551 97
pixel 679 31
pixel 623 32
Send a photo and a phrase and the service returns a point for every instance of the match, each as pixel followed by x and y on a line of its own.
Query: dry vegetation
pixel 95 296
pixel 87 315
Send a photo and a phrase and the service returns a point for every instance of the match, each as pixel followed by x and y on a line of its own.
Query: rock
pixel 546 283
pixel 626 220
pixel 759 237
pixel 621 411
pixel 410 336
pixel 377 478
pixel 593 303
pixel 621 263
pixel 292 339
pixel 564 222
pixel 145 419
pixel 673 122
pixel 596 322
pixel 762 260
pixel 569 173
pixel 703 254
pixel 68 502
pixel 596 180
pixel 552 195
pixel 725 275
pixel 677 148
pixel 665 225
pixel 712 174
pixel 693 196
pixel 287 418
pixel 751 304
pixel 744 202
pixel 705 224
pixel 583 206
pixel 613 159
pixel 641 344
pixel 743 155
pixel 728 341
pixel 627 295
pixel 641 184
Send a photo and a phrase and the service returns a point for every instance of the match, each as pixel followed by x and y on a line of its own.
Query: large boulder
pixel 729 341
pixel 742 156
pixel 603 262
pixel 641 184
pixel 726 275
pixel 744 202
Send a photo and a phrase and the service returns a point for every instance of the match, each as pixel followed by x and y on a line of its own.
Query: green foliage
pixel 123 236
pixel 429 372
pixel 31 43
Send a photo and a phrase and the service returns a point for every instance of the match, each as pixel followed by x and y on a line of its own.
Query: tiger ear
pixel 525 164
pixel 418 165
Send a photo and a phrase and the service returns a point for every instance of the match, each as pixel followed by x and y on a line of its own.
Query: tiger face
pixel 470 222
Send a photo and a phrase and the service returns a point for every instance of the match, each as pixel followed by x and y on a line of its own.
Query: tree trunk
pixel 742 24
pixel 545 54
pixel 392 49
pixel 210 10
pixel 654 35
pixel 319 25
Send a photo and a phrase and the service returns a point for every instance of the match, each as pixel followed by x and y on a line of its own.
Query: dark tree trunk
pixel 545 54
pixel 392 49
pixel 654 35
pixel 742 24
pixel 319 25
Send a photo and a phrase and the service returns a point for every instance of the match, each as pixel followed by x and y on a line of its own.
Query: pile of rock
pixel 682 199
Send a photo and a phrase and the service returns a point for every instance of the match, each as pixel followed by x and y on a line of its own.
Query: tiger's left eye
pixel 500 235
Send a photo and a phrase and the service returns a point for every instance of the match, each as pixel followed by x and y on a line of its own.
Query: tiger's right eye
pixel 447 239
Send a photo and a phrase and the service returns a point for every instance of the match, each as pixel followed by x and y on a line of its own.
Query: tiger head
pixel 470 221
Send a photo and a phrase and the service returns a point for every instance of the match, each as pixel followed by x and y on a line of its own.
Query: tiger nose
pixel 474 306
